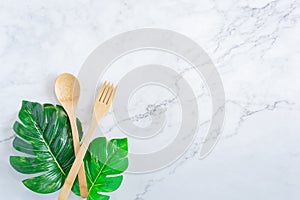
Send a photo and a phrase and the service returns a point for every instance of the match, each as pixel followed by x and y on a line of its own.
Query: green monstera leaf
pixel 104 164
pixel 44 135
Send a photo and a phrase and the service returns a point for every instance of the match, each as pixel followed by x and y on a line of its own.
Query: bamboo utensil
pixel 67 90
pixel 101 107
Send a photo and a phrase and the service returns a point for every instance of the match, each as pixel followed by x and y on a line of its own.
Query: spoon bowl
pixel 67 89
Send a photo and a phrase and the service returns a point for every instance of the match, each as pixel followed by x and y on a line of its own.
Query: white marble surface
pixel 255 46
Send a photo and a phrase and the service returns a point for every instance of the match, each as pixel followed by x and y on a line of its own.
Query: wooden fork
pixel 101 106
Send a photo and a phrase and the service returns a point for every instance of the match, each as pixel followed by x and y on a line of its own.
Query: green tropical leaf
pixel 44 134
pixel 104 164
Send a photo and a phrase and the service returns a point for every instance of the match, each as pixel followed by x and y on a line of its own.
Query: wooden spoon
pixel 67 90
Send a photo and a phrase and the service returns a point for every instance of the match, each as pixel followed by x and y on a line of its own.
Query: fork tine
pixel 100 94
pixel 111 88
pixel 112 96
pixel 105 93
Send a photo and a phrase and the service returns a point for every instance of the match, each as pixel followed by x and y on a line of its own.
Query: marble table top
pixel 254 46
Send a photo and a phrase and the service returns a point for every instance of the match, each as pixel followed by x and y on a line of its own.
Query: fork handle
pixel 66 189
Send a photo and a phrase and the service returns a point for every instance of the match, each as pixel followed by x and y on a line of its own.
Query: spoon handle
pixel 76 143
